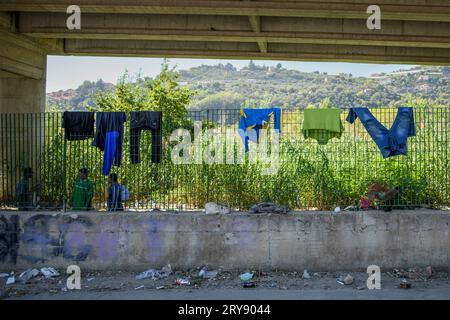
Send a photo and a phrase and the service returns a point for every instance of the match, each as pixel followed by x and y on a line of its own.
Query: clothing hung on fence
pixel 78 125
pixel 253 120
pixel 322 124
pixel 108 138
pixel 146 120
pixel 393 141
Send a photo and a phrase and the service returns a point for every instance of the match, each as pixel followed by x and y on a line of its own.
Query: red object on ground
pixel 365 203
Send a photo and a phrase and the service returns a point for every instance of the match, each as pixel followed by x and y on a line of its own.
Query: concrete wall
pixel 312 240
pixel 21 95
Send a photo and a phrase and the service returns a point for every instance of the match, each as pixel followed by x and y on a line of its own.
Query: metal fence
pixel 309 176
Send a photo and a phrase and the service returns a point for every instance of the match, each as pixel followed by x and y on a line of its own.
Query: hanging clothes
pixel 393 141
pixel 108 138
pixel 146 120
pixel 322 124
pixel 78 125
pixel 255 120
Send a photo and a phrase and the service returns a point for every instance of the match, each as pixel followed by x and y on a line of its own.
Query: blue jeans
pixel 393 141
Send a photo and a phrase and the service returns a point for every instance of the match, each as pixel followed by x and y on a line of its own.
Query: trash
pixel 213 208
pixel 306 275
pixel 204 273
pixel 4 275
pixel 11 280
pixel 90 279
pixel 140 287
pixel 49 272
pixel 152 273
pixel 28 274
pixel 160 287
pixel 365 203
pixel 429 272
pixel 249 284
pixel 337 209
pixel 405 284
pixel 316 274
pixel 268 207
pixel 347 280
pixel 155 274
pixel 167 269
pixel 361 287
pixel 246 276
pixel 211 274
pixel 64 289
pixel 182 282
pixel 273 284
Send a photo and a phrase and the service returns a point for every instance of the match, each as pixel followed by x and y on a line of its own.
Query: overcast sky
pixel 68 72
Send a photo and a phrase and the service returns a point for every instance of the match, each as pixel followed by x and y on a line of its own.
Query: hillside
pixel 223 86
pixel 77 99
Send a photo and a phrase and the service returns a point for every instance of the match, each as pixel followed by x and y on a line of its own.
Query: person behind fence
pixel 83 192
pixel 114 194
pixel 24 194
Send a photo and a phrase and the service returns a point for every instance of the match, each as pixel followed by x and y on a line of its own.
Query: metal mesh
pixel 310 176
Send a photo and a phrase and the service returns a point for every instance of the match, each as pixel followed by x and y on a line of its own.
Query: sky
pixel 68 72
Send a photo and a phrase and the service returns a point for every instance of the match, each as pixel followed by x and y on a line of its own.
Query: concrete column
pixel 22 97
pixel 20 94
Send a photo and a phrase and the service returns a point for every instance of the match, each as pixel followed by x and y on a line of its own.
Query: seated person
pixel 83 192
pixel 24 194
pixel 114 194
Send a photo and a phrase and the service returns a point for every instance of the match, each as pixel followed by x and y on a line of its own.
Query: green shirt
pixel 322 124
pixel 82 195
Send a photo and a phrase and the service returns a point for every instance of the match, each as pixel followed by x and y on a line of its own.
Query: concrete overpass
pixel 413 32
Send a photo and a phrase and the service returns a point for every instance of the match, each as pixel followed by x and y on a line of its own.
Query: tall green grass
pixel 310 176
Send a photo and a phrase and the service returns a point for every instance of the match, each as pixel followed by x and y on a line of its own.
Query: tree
pixel 160 94
pixel 221 100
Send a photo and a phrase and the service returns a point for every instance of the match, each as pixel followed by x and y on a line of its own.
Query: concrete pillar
pixel 20 94
pixel 22 97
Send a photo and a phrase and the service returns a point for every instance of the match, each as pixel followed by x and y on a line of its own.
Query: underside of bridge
pixel 413 32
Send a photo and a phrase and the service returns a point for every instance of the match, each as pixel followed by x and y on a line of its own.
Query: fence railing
pixel 309 175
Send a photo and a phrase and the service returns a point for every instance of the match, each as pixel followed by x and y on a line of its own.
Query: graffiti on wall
pixel 46 236
pixel 9 238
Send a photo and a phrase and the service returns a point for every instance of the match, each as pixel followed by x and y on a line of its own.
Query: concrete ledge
pixel 320 241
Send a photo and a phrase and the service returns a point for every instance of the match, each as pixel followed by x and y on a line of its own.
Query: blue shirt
pixel 257 119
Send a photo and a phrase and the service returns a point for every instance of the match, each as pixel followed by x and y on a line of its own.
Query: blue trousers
pixel 109 137
pixel 393 141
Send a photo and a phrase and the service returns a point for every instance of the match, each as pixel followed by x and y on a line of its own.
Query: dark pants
pixel 145 120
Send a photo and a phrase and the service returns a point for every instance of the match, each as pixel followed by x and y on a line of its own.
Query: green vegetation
pixel 225 87
pixel 309 176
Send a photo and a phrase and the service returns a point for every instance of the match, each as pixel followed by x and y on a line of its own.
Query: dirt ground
pixel 112 281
